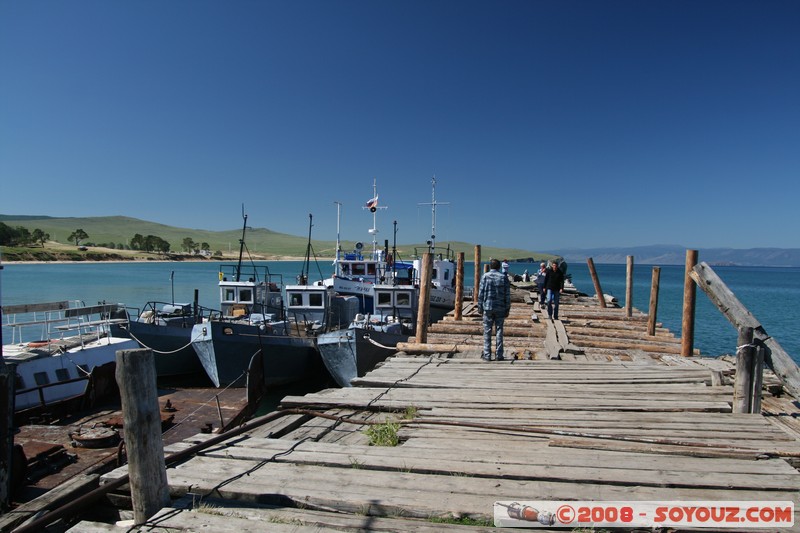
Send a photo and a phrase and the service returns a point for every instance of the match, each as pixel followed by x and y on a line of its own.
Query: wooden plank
pixel 419 495
pixel 64 493
pixel 376 458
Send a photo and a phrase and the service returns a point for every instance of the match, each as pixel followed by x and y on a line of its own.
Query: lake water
pixel 770 294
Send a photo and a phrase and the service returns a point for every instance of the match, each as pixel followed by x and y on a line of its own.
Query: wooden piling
pixel 459 286
pixel 629 287
pixel 424 312
pixel 652 314
pixel 477 281
pixel 7 377
pixel 689 299
pixel 136 377
pixel 758 379
pixel 601 299
pixel 743 383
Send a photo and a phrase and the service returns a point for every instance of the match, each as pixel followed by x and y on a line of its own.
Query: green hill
pixel 261 242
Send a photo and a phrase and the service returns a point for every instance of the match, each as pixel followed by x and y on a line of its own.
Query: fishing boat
pixel 255 338
pixel 59 349
pixel 370 338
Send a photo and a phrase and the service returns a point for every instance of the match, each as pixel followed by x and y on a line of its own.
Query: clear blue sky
pixel 548 125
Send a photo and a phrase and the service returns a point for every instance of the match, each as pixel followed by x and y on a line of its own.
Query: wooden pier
pixel 590 408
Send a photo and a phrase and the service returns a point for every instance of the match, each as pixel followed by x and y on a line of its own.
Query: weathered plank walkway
pixel 619 417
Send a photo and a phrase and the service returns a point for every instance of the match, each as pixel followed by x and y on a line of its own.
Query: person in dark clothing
pixel 554 283
pixel 494 303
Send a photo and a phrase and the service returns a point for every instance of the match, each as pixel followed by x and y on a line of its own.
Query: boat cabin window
pixel 246 295
pixel 446 275
pixel 403 299
pixel 345 268
pixel 384 298
pixel 371 269
pixel 62 374
pixel 315 299
pixel 229 294
pixel 435 273
pixel 359 269
pixel 41 378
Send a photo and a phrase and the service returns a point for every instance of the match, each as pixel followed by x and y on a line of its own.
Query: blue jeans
pixel 489 319
pixel 552 303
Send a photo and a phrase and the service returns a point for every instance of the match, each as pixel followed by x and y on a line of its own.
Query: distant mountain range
pixel 672 254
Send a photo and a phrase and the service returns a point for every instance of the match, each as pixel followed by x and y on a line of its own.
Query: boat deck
pixel 619 417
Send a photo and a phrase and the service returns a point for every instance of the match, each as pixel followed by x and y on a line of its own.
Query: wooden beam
pixel 775 357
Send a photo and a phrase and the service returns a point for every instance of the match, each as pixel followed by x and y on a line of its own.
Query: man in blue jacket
pixel 494 302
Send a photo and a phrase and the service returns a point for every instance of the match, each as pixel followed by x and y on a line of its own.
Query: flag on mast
pixel 372 203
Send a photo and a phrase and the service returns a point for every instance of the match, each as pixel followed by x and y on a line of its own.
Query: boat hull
pixel 351 353
pixel 62 375
pixel 226 349
pixel 171 345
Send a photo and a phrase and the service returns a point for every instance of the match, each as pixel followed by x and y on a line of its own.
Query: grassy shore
pixel 53 252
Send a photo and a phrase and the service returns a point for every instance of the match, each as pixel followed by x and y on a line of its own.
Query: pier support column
pixel 7 377
pixel 424 312
pixel 136 377
pixel 629 287
pixel 459 286
pixel 601 299
pixel 477 281
pixel 749 373
pixel 689 299
pixel 653 312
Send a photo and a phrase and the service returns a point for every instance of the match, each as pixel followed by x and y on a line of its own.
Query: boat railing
pixel 54 319
pixel 439 252
pixel 42 317
pixel 153 311
pixel 252 273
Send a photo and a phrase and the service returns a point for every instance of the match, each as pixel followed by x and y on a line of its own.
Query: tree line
pixel 22 236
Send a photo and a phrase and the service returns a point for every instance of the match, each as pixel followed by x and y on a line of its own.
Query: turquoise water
pixel 771 294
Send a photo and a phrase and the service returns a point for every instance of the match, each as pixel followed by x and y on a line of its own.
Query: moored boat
pixel 56 348
pixel 254 334
pixel 370 339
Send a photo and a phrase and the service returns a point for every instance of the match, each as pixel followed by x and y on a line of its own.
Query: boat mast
pixel 307 263
pixel 241 245
pixel 338 242
pixel 433 203
pixel 372 205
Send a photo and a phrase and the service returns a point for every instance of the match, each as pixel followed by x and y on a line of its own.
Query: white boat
pixel 56 347
pixel 356 273
pixel 370 339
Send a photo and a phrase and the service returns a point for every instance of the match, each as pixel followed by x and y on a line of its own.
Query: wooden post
pixel 743 385
pixel 424 312
pixel 601 299
pixel 459 286
pixel 629 287
pixel 136 377
pixel 689 298
pixel 758 380
pixel 477 282
pixel 652 314
pixel 8 373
